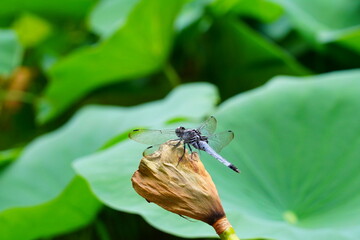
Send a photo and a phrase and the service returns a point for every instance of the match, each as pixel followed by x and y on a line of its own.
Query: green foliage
pixel 48 160
pixel 73 208
pixel 135 50
pixel 63 9
pixel 108 16
pixel 31 29
pixel 11 52
pixel 301 173
pixel 319 20
pixel 299 176
pixel 286 72
pixel 261 9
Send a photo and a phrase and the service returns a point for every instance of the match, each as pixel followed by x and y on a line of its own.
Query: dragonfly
pixel 202 138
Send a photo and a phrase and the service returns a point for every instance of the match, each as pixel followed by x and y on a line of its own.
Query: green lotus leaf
pixel 68 8
pixel 191 12
pixel 297 145
pixel 264 10
pixel 136 49
pixel 11 52
pixel 317 20
pixel 109 15
pixel 43 173
pixel 235 53
pixel 73 208
pixel 348 38
pixel 9 155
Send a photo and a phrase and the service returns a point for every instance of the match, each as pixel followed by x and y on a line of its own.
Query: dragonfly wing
pixel 150 150
pixel 219 140
pixel 208 127
pixel 152 137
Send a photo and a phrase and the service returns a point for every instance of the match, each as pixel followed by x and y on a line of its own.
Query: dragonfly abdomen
pixel 205 147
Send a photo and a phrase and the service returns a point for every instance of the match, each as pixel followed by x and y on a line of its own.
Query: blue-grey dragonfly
pixel 202 138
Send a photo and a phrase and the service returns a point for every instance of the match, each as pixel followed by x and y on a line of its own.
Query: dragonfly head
pixel 180 131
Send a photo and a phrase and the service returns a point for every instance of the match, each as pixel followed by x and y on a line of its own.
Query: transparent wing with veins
pixel 156 137
pixel 219 140
pixel 152 137
pixel 208 127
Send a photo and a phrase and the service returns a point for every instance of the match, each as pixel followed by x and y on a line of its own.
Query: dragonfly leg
pixel 183 154
pixel 176 144
pixel 185 218
pixel 189 146
pixel 192 153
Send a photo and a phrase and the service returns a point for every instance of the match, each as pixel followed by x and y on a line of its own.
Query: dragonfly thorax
pixel 190 135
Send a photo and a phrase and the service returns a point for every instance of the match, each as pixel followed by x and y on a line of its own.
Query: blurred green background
pixel 77 76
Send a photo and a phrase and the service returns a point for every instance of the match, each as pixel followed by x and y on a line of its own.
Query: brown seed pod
pixel 179 183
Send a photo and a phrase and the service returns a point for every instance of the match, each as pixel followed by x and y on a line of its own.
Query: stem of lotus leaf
pixel 224 229
pixel 229 234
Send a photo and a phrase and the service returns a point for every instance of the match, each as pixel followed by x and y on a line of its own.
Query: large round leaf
pixel 297 144
pixel 138 47
pixel 298 147
pixel 317 20
pixel 39 195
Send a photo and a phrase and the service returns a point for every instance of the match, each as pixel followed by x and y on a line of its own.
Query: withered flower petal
pixel 179 183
